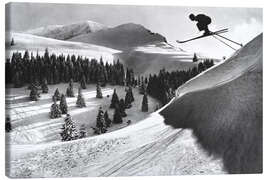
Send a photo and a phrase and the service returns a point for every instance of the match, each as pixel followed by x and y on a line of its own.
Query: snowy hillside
pixel 34 43
pixel 223 107
pixel 149 147
pixel 121 37
pixel 139 48
pixel 151 58
pixel 64 32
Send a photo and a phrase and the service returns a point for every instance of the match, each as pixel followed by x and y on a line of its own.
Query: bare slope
pixel 223 107
pixel 64 32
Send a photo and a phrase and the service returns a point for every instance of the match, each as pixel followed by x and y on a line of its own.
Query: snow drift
pixel 223 107
pixel 64 32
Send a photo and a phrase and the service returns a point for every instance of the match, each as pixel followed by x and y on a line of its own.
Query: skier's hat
pixel 192 17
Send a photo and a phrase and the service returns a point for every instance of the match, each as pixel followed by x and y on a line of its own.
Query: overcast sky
pixel 172 22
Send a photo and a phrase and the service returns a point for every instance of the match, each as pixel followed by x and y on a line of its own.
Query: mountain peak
pixel 67 31
pixel 121 37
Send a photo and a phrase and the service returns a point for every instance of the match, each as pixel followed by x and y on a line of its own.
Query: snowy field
pixel 32 124
pixel 38 44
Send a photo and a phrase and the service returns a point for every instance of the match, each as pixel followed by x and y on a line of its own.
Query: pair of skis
pixel 205 35
pixel 214 34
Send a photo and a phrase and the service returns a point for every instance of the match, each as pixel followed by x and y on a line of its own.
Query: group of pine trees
pixel 54 69
pixel 163 85
pixel 58 109
pixel 103 120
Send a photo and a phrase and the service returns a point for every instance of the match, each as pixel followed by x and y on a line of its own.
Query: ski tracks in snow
pixel 142 155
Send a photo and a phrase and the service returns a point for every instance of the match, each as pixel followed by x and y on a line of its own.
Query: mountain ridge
pixel 67 31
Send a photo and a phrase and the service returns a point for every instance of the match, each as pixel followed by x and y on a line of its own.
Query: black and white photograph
pixel 98 90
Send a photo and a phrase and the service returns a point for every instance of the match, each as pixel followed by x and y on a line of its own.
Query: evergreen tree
pixel 56 95
pixel 195 59
pixel 108 121
pixel 131 94
pixel 55 110
pixel 128 99
pixel 99 92
pixel 82 131
pixel 142 89
pixel 17 79
pixel 80 99
pixel 115 100
pixel 12 43
pixel 63 104
pixel 122 108
pixel 8 126
pixel 34 95
pixel 117 118
pixel 69 91
pixel 44 86
pixel 69 131
pixel 100 124
pixel 145 103
pixel 83 82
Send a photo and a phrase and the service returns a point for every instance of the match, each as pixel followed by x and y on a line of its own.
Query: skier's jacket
pixel 203 19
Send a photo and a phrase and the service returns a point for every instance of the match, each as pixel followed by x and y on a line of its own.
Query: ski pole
pixel 230 40
pixel 224 43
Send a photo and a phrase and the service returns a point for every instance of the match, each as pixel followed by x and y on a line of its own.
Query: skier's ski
pixel 202 36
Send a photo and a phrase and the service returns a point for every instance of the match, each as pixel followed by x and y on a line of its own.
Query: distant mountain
pixel 121 37
pixel 138 47
pixel 65 32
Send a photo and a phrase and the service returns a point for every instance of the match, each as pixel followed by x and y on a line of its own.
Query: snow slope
pixel 34 43
pixel 150 58
pixel 64 32
pixel 121 37
pixel 223 107
pixel 32 125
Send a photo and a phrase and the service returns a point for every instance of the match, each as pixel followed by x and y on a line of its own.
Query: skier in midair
pixel 203 22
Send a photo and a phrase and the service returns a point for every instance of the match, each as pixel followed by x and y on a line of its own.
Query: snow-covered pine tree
pixel 115 99
pixel 82 131
pixel 142 89
pixel 117 118
pixel 107 119
pixel 56 95
pixel 131 94
pixel 8 126
pixel 195 59
pixel 63 104
pixel 69 131
pixel 128 99
pixel 44 86
pixel 12 43
pixel 99 92
pixel 80 99
pixel 69 91
pixel 122 108
pixel 55 110
pixel 34 95
pixel 100 124
pixel 83 82
pixel 145 103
